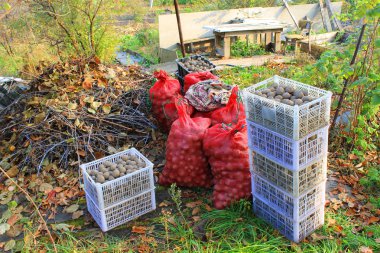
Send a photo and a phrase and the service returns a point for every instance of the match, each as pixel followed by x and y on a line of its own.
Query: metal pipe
pixel 179 28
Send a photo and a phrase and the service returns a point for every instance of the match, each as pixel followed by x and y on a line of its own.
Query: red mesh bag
pixel 196 77
pixel 232 112
pixel 170 110
pixel 202 114
pixel 186 164
pixel 161 93
pixel 227 151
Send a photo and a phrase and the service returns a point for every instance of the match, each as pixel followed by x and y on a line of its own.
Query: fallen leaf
pixel 12 148
pixel 316 237
pixel 373 219
pixel 369 233
pixel 208 208
pixel 364 249
pixel 13 219
pixel 71 209
pixel 77 214
pixel 95 105
pixel 195 211
pixel 196 218
pixel 164 203
pixel 106 108
pixel 87 83
pixel 9 245
pixel 4 227
pixel 193 204
pixel 12 172
pixel 45 187
pixel 139 229
pixel 352 156
pixel 14 231
pixel 81 152
pixel 90 110
pixel 61 227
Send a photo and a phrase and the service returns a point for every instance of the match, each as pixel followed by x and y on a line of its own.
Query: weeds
pixel 242 48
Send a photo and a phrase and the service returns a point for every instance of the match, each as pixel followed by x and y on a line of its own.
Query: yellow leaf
pixel 72 106
pixel 12 148
pixel 87 83
pixel 95 105
pixel 106 108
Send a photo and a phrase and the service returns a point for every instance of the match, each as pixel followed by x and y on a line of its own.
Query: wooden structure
pixel 258 31
pixel 294 39
pixel 200 45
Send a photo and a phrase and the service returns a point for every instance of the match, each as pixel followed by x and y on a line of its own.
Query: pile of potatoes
pixel 196 65
pixel 108 171
pixel 285 94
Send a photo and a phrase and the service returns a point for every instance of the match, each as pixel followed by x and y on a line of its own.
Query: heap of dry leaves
pixel 76 111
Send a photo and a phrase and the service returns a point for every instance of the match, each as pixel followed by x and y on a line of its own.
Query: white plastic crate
pixel 295 121
pixel 291 207
pixel 293 182
pixel 119 189
pixel 285 151
pixel 122 212
pixel 294 230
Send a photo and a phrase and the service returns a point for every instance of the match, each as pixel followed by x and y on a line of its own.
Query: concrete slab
pixel 258 60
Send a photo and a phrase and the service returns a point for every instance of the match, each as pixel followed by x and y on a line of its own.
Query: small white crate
pixel 294 230
pixel 122 212
pixel 119 189
pixel 291 207
pixel 285 151
pixel 293 182
pixel 294 122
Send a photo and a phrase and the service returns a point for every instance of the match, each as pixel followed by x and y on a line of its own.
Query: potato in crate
pixel 287 107
pixel 289 153
pixel 117 177
pixel 194 63
pixel 295 230
pixel 294 182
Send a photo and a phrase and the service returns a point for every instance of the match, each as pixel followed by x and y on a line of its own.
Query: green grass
pixel 235 229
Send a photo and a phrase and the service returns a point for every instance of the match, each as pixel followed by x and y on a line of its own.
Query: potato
pixel 298 94
pixel 106 175
pixel 113 166
pixel 258 93
pixel 286 95
pixel 278 97
pixel 305 92
pixel 280 91
pixel 292 98
pixel 122 170
pixel 271 94
pixel 128 167
pixel 119 166
pixel 122 174
pixel 307 99
pixel 116 173
pixel 111 178
pixel 265 91
pixel 289 89
pixel 107 163
pixel 102 166
pixel 271 97
pixel 100 179
pixel 287 101
pixel 133 163
pixel 298 101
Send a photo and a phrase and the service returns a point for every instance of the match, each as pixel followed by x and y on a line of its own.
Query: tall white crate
pixel 288 155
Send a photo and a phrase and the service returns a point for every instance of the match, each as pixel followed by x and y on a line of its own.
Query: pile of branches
pixel 75 112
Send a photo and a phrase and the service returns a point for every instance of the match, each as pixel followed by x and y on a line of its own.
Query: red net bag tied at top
pixel 186 165
pixel 227 150
pixel 170 110
pixel 161 93
pixel 232 112
pixel 196 77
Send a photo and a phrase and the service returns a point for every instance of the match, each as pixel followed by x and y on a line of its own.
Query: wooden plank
pixel 325 19
pixel 237 33
pixel 268 38
pixel 227 47
pixel 336 22
pixel 277 41
pixel 291 14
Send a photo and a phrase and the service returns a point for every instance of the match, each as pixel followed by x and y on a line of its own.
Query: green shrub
pixel 242 49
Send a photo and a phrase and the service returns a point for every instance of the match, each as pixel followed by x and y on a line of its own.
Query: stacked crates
pixel 288 157
pixel 120 200
pixel 183 71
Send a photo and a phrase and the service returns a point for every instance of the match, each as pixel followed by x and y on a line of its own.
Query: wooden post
pixel 277 41
pixel 291 14
pixel 336 21
pixel 325 19
pixel 179 28
pixel 258 38
pixel 227 47
pixel 268 38
pixel 341 98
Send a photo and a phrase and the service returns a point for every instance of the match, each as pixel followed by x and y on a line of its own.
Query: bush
pixel 242 49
